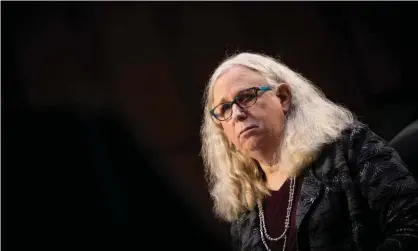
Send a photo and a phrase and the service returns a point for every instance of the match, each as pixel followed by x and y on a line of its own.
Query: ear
pixel 283 93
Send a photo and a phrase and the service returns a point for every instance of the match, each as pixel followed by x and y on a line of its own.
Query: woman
pixel 293 171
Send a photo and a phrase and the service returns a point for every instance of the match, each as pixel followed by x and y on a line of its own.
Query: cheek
pixel 229 132
pixel 273 108
pixel 275 124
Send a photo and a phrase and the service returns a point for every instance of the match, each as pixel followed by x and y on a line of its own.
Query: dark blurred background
pixel 101 107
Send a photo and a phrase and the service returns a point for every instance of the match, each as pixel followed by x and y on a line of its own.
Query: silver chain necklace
pixel 263 230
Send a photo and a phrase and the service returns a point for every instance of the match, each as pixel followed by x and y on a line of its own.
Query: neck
pixel 265 160
pixel 274 177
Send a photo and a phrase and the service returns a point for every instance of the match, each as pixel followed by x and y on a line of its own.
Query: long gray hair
pixel 235 180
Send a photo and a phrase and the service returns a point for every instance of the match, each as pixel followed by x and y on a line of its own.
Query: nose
pixel 238 113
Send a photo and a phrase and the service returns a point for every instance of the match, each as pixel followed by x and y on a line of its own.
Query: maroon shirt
pixel 275 207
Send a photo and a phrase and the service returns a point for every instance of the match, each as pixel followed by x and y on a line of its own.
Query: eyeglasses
pixel 244 99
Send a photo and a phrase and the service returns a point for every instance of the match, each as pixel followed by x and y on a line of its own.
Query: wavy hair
pixel 235 181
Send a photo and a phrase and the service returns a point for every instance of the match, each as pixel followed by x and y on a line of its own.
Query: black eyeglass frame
pixel 235 101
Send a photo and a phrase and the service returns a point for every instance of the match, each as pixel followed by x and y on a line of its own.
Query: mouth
pixel 247 129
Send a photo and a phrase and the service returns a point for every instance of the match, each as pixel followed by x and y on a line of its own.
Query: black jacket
pixel 358 195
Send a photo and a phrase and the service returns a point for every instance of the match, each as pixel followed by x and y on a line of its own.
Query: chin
pixel 253 146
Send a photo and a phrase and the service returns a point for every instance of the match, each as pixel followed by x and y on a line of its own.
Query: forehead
pixel 234 80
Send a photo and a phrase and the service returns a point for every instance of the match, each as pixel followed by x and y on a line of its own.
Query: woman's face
pixel 257 129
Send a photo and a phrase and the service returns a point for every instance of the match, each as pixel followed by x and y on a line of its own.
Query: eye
pixel 245 98
pixel 224 108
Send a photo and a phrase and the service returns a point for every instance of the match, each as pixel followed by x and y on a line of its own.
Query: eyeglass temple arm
pixel 264 88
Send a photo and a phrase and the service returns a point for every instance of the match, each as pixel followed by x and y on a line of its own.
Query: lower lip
pixel 248 131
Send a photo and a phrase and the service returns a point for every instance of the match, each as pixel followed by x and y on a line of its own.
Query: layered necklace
pixel 263 230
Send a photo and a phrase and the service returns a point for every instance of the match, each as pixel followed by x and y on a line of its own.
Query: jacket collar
pixel 310 191
pixel 313 183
